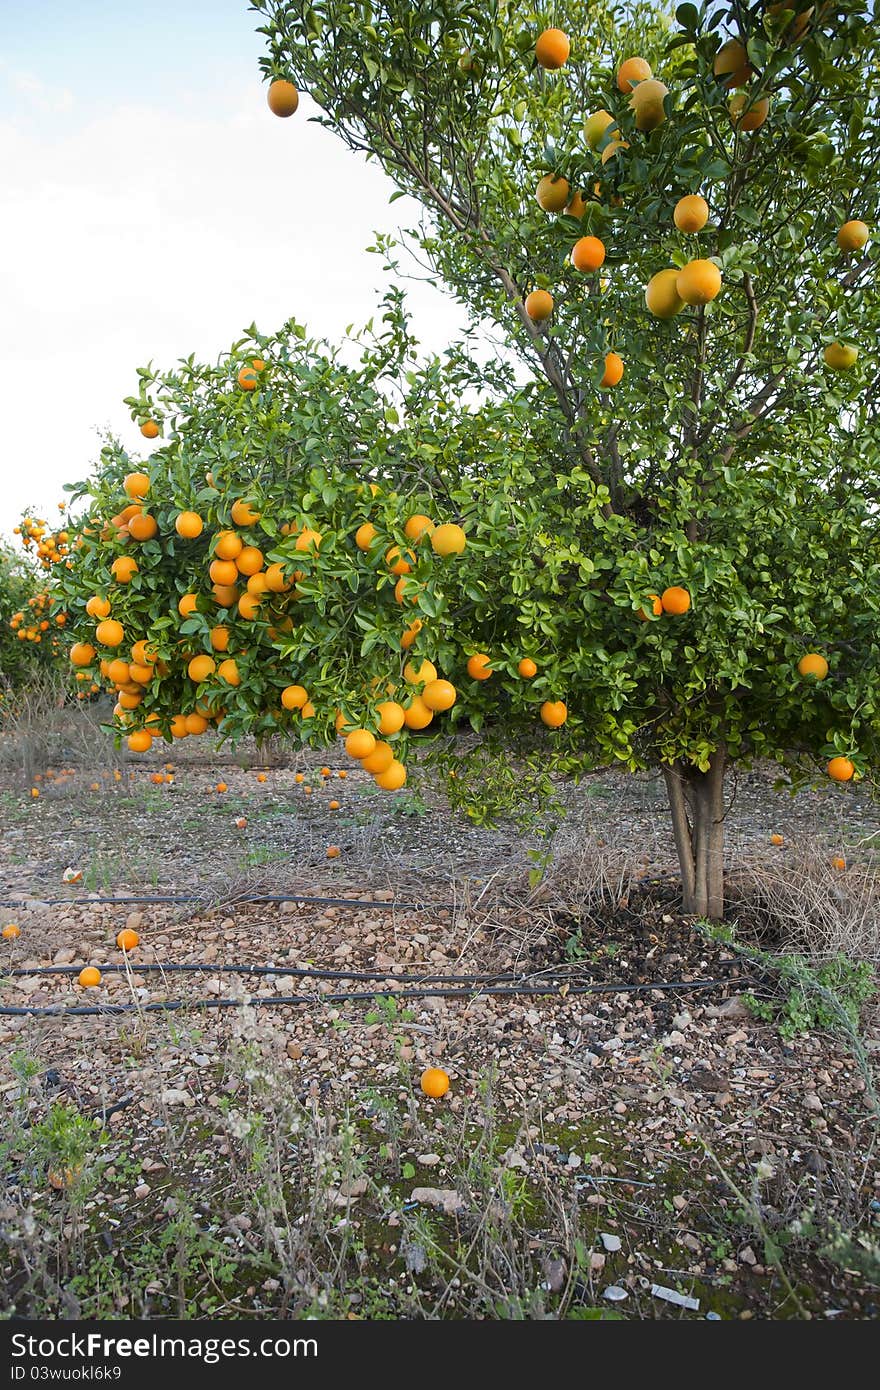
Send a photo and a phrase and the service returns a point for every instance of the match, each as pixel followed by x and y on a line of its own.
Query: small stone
pixel 620 1108
pixel 428 1160
pixel 614 1293
pixel 611 1243
pixel 748 1256
pixel 134 921
pixel 294 1051
pixel 175 1097
pixel 142 1190
pixel 812 1101
pixel 446 1199
pixel 64 956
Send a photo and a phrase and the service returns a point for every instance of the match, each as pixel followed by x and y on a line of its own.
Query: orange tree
pixel 668 222
pixel 663 495
pixel 31 622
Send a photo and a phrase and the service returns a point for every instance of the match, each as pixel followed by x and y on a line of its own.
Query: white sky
pixel 152 207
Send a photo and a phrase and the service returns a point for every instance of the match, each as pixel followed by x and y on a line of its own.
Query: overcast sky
pixel 152 207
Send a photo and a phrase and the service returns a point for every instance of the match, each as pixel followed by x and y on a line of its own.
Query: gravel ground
pixel 629 1105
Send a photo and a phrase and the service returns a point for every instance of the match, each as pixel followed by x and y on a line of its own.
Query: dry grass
pixel 41 728
pixel 803 903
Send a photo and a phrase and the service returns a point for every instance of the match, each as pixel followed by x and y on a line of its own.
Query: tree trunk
pixel 696 800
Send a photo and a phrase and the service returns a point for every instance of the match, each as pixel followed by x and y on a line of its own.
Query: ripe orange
pixel 838 863
pixel 127 939
pixel 691 214
pixel 527 668
pixel 10 931
pixel 243 513
pixel 249 606
pixel 841 770
pixel 699 282
pixel 447 539
pixel 282 96
pixel 261 777
pixel 228 671
pixel 98 607
pixel 434 1082
pixel 630 72
pixel 189 525
pixel 136 484
pixel 365 535
pixel 298 777
pixel 149 429
pixel 110 633
pixel 143 527
pixel 142 653
pixel 539 306
pixel 187 605
pixel 552 193
pixel 417 715
pixel 588 254
pixel 119 672
pixel 308 539
pixel 141 741
pixel 124 568
pixel 390 717
pixel 158 778
pixel 333 805
pixel 250 560
pixel 379 760
pixel 247 379
pixel 342 773
pixel 229 545
pixel 661 294
pixel 613 370
pixel 748 113
pixel 397 561
pixel 576 206
pixel 393 778
pixel 241 823
pixel 360 743
pixel 853 235
pixel 554 713
pixel 294 697
pixel 200 668
pixel 82 654
pixel 308 710
pixel 675 600
pixel 731 65
pixel 552 49
pixel 223 572
pixel 257 585
pixel 275 580
pixel 220 639
pixel 647 103
pixel 406 591
pixel 813 664
pixel 196 724
pixel 225 595
pixel 595 127
pixel 419 674
pixel 221 787
pixel 439 695
pixel 479 667
pixel 777 840
pixel 417 527
pixel 656 608
pixel 333 851
pixel 178 726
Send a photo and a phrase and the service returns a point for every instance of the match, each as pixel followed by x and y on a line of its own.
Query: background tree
pixel 31 623
pixel 674 567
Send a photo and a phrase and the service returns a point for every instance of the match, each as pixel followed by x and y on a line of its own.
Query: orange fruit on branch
pixel 360 743
pixel 853 235
pixel 841 770
pixel 379 760
pixel 731 64
pixel 691 214
pixel 554 713
pixel 149 429
pixel 391 717
pixel 588 254
pixel 189 525
pixel 479 666
pixel 813 664
pixel 283 98
pixel 552 193
pixel 136 484
pixel 675 600
pixel 539 307
pixel 661 294
pixel 527 668
pixel 552 49
pixel 200 668
pixel 393 778
pixel 631 71
pixel 698 282
pixel 613 370
pixel 448 539
pixel 110 633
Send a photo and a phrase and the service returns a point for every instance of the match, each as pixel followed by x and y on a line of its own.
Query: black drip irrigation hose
pixel 135 968
pixel 229 902
pixel 170 1005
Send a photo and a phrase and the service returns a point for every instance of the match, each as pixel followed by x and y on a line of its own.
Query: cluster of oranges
pixel 699 281
pixel 35 623
pixel 49 547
